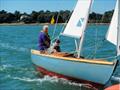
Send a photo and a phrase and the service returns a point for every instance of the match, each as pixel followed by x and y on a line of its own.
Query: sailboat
pixel 65 65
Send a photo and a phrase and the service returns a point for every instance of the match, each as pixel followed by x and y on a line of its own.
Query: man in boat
pixel 44 39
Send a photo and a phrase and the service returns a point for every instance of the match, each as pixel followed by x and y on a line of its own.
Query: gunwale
pixel 63 57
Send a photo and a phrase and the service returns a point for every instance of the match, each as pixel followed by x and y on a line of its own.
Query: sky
pixel 99 6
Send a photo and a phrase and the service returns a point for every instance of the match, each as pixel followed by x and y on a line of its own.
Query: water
pixel 17 71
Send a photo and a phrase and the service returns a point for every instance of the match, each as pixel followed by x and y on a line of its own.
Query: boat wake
pixel 11 47
pixel 32 79
pixel 51 80
pixel 40 80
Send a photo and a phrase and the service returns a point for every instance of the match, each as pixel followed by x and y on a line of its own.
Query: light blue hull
pixel 97 73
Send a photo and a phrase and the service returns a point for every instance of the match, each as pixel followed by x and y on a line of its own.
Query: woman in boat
pixel 44 39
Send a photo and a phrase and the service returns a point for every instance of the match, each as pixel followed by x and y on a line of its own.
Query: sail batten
pixel 78 20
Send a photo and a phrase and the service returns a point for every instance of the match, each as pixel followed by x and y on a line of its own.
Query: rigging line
pixel 96 32
pixel 95 38
pixel 92 55
pixel 83 32
pixel 55 25
pixel 68 19
pixel 92 5
pixel 95 43
pixel 112 57
pixel 102 18
pixel 100 23
pixel 60 32
pixel 63 25
pixel 103 39
pixel 96 46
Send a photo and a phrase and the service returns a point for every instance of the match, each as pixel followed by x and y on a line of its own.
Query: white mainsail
pixel 113 34
pixel 78 20
pixel 118 46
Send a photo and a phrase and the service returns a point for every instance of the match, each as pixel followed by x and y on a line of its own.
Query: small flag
pixel 52 20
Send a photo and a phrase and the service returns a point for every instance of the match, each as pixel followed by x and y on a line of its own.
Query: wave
pixel 39 80
pixel 11 47
pixel 9 67
pixel 27 79
pixel 46 78
pixel 52 80
pixel 116 79
pixel 4 67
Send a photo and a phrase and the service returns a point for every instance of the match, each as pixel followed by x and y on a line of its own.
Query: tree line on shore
pixel 45 17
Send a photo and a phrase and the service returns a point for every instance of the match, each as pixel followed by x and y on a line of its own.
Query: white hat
pixel 45 26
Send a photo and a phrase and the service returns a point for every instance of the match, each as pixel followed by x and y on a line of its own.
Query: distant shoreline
pixel 22 24
pixel 15 24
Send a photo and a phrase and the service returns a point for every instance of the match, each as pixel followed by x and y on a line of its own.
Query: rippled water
pixel 17 71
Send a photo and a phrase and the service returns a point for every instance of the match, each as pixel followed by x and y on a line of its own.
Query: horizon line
pixel 22 12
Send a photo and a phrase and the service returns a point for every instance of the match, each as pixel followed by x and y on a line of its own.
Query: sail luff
pixel 118 33
pixel 83 33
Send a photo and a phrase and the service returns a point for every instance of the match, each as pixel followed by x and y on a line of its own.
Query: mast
pixel 82 37
pixel 118 30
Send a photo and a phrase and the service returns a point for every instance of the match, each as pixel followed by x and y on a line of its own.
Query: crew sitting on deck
pixel 56 46
pixel 44 40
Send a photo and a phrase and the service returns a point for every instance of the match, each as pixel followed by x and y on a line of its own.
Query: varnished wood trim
pixel 36 52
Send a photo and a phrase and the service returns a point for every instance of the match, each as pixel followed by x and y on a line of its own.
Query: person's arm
pixel 46 40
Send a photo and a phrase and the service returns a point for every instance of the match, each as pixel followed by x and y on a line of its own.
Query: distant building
pixel 26 19
pixel 23 17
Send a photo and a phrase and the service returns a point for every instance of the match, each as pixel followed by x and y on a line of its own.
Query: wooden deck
pixel 69 57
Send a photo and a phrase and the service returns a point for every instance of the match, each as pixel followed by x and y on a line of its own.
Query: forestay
pixel 78 20
pixel 113 34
